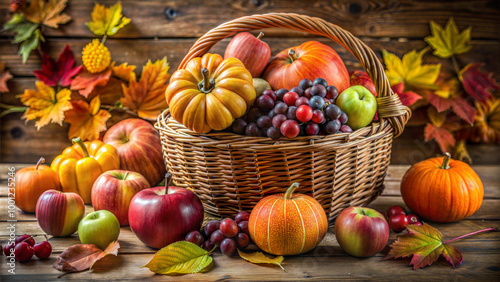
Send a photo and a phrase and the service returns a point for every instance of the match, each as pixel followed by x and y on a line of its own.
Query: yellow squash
pixel 79 166
pixel 210 93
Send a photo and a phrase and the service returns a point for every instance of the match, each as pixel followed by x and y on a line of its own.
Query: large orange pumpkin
pixel 286 224
pixel 442 189
pixel 309 60
pixel 210 93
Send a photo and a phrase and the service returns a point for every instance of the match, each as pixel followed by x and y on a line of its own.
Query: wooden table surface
pixel 481 253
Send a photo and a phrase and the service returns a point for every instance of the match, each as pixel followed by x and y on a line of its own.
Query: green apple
pixel 99 228
pixel 359 104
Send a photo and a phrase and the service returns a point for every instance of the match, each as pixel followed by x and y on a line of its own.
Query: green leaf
pixel 450 41
pixel 29 45
pixel 259 257
pixel 179 258
pixel 107 21
pixel 24 31
pixel 14 22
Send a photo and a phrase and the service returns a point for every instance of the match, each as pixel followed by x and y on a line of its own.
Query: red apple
pixel 361 78
pixel 361 232
pixel 159 216
pixel 139 148
pixel 114 189
pixel 251 51
pixel 59 213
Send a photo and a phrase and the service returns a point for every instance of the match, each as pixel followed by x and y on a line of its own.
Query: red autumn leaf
pixel 408 98
pixel 457 104
pixel 85 82
pixel 425 244
pixel 477 83
pixel 60 72
pixel 441 135
pixel 81 257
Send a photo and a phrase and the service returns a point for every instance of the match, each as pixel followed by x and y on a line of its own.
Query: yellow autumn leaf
pixel 45 105
pixel 437 118
pixel 87 121
pixel 147 96
pixel 449 41
pixel 259 258
pixel 47 12
pixel 123 71
pixel 410 70
pixel 107 21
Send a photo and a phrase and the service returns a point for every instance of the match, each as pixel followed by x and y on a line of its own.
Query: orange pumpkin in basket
pixel 210 93
pixel 286 224
pixel 442 190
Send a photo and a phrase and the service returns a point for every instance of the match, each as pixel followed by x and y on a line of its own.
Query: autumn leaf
pixel 441 135
pixel 45 105
pixel 60 72
pixel 410 70
pixel 477 83
pixel 259 257
pixel 27 33
pixel 47 12
pixel 147 96
pixel 81 257
pixel 107 21
pixel 450 41
pixel 457 104
pixel 123 71
pixel 4 76
pixel 85 82
pixel 87 121
pixel 407 98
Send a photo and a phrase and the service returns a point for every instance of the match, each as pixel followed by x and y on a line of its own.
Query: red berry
pixel 228 227
pixel 413 218
pixel 242 240
pixel 43 249
pixel 290 128
pixel 26 238
pixel 304 113
pixel 211 226
pixel 195 237
pixel 217 237
pixel 9 248
pixel 23 252
pixel 396 209
pixel 398 222
pixel 290 98
pixel 207 245
pixel 312 129
pixel 228 246
pixel 243 227
pixel 301 101
pixel 318 116
pixel 270 93
pixel 241 216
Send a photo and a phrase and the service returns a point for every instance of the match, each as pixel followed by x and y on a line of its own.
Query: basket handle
pixel 389 105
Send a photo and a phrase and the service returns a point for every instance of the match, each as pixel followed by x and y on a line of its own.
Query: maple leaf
pixel 81 257
pixel 450 41
pixel 47 12
pixel 60 72
pixel 107 21
pixel 441 135
pixel 85 82
pixel 407 98
pixel 477 83
pixel 4 76
pixel 458 105
pixel 45 105
pixel 147 96
pixel 27 33
pixel 410 69
pixel 123 71
pixel 87 121
pixel 425 244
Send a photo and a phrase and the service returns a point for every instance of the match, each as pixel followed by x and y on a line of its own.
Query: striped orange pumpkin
pixel 286 224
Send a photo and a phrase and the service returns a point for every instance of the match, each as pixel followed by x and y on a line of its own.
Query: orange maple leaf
pixel 47 12
pixel 147 96
pixel 87 121
pixel 45 105
pixel 123 71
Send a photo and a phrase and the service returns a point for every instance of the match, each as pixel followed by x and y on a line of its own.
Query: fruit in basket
pixel 361 232
pixel 159 216
pixel 80 165
pixel 359 104
pixel 310 60
pixel 113 191
pixel 361 78
pixel 287 224
pixel 260 86
pixel 59 213
pixel 139 148
pixel 442 189
pixel 210 93
pixel 250 50
pixel 31 182
pixel 99 228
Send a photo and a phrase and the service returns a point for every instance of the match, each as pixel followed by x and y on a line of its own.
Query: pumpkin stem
pixel 40 161
pixel 205 84
pixel 290 190
pixel 292 55
pixel 168 180
pixel 260 35
pixel 80 143
pixel 446 161
pixel 466 235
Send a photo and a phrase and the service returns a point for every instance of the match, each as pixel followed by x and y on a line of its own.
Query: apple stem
pixel 80 143
pixel 260 35
pixel 168 180
pixel 290 190
pixel 466 235
pixel 40 161
pixel 363 211
pixel 446 161
pixel 292 55
pixel 126 174
pixel 205 84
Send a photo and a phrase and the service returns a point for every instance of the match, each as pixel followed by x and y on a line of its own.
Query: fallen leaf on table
pixel 477 83
pixel 4 76
pixel 27 33
pixel 450 41
pixel 107 21
pixel 81 257
pixel 87 121
pixel 180 258
pixel 47 12
pixel 60 72
pixel 123 71
pixel 259 257
pixel 85 82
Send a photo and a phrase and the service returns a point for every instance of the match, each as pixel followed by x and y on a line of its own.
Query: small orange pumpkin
pixel 210 93
pixel 286 224
pixel 442 189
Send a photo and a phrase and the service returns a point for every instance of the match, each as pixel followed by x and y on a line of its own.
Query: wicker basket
pixel 231 172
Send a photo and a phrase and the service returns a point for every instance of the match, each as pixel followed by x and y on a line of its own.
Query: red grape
pixel 272 113
pixel 264 122
pixel 228 246
pixel 280 93
pixel 23 252
pixel 312 129
pixel 413 218
pixel 318 116
pixel 253 115
pixel 273 133
pixel 343 118
pixel 217 237
pixel 265 103
pixel 290 128
pixel 43 249
pixel 304 113
pixel 242 241
pixel 207 245
pixel 321 81
pixel 278 120
pixel 239 125
pixel 211 226
pixel 318 90
pixel 281 108
pixel 331 127
pixel 316 103
pixel 307 93
pixel 301 101
pixel 243 227
pixel 305 83
pixel 292 113
pixel 345 129
pixel 270 93
pixel 252 130
pixel 241 216
pixel 331 92
pixel 228 227
pixel 290 98
pixel 396 209
pixel 297 90
pixel 195 237
pixel 398 222
pixel 332 112
pixel 26 238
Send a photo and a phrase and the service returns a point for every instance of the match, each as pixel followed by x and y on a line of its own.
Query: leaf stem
pixel 455 64
pixel 103 40
pixel 466 235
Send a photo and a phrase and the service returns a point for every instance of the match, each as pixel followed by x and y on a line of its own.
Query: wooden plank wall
pixel 169 28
